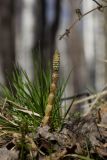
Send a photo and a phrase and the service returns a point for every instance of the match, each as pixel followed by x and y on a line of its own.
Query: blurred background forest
pixel 26 25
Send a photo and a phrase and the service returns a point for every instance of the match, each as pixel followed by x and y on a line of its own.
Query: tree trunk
pixel 105 29
pixel 7 37
pixel 54 27
pixel 40 25
pixel 45 33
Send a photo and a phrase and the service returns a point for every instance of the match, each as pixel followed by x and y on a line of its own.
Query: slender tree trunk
pixel 54 28
pixel 40 22
pixel 105 29
pixel 45 33
pixel 7 37
pixel 76 50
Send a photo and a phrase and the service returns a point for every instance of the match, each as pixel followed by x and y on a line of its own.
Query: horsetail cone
pixel 53 88
pixel 56 61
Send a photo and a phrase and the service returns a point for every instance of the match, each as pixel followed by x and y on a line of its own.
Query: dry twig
pixel 68 31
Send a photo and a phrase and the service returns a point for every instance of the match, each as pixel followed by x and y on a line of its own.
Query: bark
pixel 45 35
pixel 54 27
pixel 105 29
pixel 7 37
pixel 40 25
pixel 76 52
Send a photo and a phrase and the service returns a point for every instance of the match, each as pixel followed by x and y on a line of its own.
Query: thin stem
pixel 101 94
pixel 4 105
pixel 97 3
pixel 67 32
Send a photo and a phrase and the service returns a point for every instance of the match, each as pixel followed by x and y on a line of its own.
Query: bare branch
pixel 68 31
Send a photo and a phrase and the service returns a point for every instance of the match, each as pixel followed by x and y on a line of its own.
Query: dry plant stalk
pixel 80 16
pixel 53 88
pixel 57 155
pixel 94 96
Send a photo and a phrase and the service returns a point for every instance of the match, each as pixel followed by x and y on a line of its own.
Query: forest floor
pixel 81 138
pixel 32 126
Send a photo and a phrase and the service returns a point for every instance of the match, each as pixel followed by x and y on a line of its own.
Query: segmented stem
pixel 53 88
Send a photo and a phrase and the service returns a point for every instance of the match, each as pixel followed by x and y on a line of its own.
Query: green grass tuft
pixel 25 101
